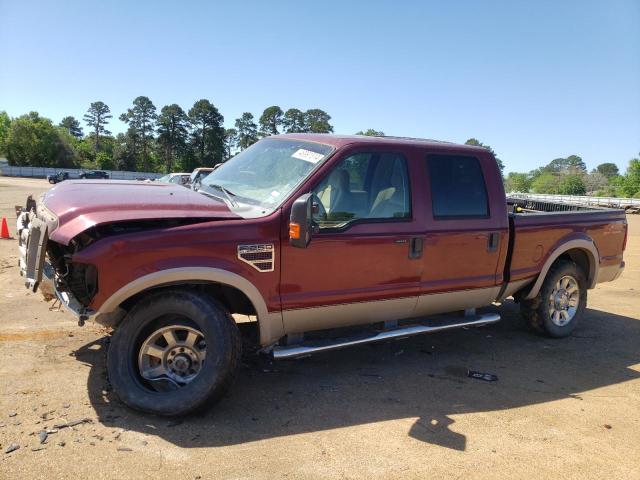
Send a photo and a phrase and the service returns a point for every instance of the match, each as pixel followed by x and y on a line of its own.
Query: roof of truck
pixel 342 140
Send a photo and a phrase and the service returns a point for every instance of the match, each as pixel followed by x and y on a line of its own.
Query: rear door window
pixel 458 188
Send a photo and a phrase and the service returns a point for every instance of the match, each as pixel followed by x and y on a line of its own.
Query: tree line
pixel 569 176
pixel 168 140
pixel 179 140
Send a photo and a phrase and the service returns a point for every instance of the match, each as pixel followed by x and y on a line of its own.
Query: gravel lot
pixel 406 409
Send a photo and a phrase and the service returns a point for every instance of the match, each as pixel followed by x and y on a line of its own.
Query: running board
pixel 307 348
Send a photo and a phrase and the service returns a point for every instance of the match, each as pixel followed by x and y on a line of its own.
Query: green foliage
pixel 546 183
pixel 608 169
pixel 573 164
pixel 97 117
pixel 34 141
pixel 247 131
pixel 230 142
pixel 631 184
pixel 370 132
pixel 571 185
pixel 207 137
pixel 317 121
pixel 517 182
pixel 72 126
pixel 477 143
pixel 294 121
pixel 172 134
pixel 595 182
pixel 5 124
pixel 141 120
pixel 270 120
pixel 104 161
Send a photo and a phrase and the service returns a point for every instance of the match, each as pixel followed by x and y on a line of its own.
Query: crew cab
pixel 307 234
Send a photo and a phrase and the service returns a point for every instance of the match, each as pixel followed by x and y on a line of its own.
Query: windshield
pixel 267 172
pixel 165 178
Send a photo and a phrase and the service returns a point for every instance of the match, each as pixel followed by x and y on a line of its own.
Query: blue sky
pixel 535 80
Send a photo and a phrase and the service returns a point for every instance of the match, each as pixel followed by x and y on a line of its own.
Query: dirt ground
pixel 406 409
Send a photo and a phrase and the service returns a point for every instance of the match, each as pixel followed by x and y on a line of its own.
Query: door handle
pixel 416 247
pixel 493 242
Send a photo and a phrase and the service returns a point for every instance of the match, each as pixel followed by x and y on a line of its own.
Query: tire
pixel 544 313
pixel 182 312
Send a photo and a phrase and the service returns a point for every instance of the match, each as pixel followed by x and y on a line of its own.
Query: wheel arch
pixel 582 251
pixel 231 286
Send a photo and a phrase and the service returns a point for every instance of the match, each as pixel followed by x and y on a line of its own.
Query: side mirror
pixel 301 221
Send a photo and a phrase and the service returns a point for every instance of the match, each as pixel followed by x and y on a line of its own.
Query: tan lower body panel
pixel 350 314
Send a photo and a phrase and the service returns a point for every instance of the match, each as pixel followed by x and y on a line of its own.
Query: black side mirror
pixel 301 221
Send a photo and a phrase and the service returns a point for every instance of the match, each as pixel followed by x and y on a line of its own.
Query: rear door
pixel 466 232
pixel 364 264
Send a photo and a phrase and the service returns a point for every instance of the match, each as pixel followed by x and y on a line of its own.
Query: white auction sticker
pixel 307 155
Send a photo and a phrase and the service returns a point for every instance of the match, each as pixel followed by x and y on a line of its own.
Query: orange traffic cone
pixel 5 230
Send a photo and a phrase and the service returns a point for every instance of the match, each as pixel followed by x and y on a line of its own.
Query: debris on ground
pixel 12 448
pixel 487 377
pixel 43 436
pixel 124 449
pixel 37 449
pixel 607 426
pixel 13 414
pixel 73 423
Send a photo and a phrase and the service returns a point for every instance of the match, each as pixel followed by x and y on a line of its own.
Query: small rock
pixel 12 448
pixel 66 405
pixel 43 436
pixel 37 449
pixel 144 443
pixel 607 426
pixel 61 444
pixel 13 414
pixel 124 449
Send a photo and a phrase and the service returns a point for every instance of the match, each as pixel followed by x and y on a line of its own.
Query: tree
pixel 317 121
pixel 517 182
pixel 572 185
pixel 247 131
pixel 546 182
pixel 172 133
pixel 608 169
pixel 142 119
pixel 294 121
pixel 477 143
pixel 371 133
pixel 5 124
pixel 595 182
pixel 270 120
pixel 34 141
pixel 126 151
pixel 573 164
pixel 631 184
pixel 97 117
pixel 208 133
pixel 230 141
pixel 72 126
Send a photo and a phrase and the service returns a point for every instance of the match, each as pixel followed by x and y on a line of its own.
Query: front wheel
pixel 560 303
pixel 176 352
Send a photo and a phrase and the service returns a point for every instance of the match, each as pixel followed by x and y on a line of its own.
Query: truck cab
pixel 306 234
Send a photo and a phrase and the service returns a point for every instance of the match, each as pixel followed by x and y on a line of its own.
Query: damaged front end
pixel 47 266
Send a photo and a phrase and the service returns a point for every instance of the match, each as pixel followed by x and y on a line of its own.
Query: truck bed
pixel 537 227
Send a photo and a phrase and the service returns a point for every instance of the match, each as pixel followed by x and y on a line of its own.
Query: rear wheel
pixel 175 353
pixel 560 303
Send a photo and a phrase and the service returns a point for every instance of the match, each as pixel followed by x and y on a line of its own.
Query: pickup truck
pixel 322 242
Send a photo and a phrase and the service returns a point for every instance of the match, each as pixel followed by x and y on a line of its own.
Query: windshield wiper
pixel 227 194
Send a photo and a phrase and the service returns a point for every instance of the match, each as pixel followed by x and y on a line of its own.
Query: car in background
pixel 177 178
pixel 58 177
pixel 94 174
pixel 197 175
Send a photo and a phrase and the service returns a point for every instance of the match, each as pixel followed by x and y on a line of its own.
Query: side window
pixel 372 186
pixel 457 187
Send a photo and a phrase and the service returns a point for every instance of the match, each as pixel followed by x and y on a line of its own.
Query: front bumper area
pixel 38 274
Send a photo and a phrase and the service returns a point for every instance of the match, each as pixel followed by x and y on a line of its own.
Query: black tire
pixel 175 307
pixel 538 311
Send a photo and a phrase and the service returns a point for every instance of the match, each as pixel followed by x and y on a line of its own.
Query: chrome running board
pixel 307 348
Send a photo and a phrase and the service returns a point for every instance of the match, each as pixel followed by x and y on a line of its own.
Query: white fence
pixel 42 172
pixel 580 199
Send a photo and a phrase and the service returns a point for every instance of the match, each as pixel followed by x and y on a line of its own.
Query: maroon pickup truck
pixel 306 235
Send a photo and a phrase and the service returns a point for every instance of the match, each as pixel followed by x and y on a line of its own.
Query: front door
pixel 364 265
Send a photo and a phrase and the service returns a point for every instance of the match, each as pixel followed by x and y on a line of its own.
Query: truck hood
pixel 79 205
